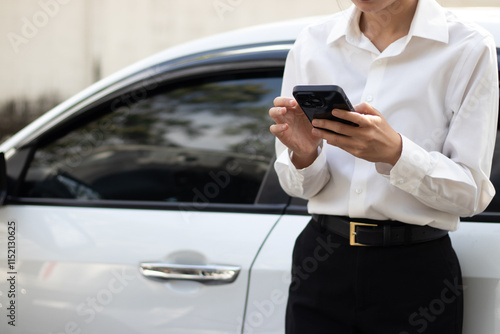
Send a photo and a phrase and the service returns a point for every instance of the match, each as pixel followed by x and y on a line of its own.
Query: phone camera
pixel 310 100
pixel 314 102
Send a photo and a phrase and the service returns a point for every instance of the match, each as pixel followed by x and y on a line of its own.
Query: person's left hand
pixel 374 140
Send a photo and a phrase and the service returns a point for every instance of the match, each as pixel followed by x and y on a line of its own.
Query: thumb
pixel 366 109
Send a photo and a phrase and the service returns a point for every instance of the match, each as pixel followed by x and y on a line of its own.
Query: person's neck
pixel 388 25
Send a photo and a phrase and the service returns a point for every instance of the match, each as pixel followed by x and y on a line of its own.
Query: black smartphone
pixel 318 101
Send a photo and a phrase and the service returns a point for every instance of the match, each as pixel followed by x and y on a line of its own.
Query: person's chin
pixel 369 6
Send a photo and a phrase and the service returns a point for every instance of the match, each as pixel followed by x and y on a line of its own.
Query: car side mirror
pixel 3 178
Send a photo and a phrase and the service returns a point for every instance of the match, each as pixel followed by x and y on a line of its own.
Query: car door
pixel 143 210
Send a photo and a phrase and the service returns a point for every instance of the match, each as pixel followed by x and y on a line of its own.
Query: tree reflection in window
pixel 167 145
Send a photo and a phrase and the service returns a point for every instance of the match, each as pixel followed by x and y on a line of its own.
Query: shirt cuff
pixel 286 159
pixel 413 165
pixel 296 176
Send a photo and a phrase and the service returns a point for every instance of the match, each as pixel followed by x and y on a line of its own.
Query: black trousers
pixel 341 289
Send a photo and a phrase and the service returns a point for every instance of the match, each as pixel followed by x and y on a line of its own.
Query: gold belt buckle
pixel 352 233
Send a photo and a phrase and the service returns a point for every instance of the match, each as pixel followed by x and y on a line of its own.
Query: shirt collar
pixel 429 22
pixel 347 25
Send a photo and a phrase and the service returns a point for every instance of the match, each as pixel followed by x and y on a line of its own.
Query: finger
pixel 277 111
pixel 350 116
pixel 331 138
pixel 281 101
pixel 366 109
pixel 277 114
pixel 335 126
pixel 278 129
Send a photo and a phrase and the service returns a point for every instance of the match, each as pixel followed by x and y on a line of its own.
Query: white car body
pixel 79 268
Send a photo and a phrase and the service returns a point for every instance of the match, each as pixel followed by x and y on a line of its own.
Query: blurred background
pixel 51 49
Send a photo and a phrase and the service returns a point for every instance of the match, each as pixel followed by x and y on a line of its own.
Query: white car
pixel 148 203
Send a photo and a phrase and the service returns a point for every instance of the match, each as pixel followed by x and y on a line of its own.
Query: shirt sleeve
pixel 306 182
pixel 456 180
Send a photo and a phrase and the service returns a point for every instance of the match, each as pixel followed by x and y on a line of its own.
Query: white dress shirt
pixel 437 87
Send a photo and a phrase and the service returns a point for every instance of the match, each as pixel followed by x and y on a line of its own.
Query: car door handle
pixel 207 274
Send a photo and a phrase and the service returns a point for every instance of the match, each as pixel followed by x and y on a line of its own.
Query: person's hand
pixel 294 130
pixel 374 140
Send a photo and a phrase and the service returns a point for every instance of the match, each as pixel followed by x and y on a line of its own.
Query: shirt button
pixel 369 98
pixel 358 191
pixel 401 181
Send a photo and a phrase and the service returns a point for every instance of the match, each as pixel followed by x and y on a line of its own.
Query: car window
pixel 498 58
pixel 207 142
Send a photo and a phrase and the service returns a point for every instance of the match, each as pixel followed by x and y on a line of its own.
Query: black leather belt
pixel 368 232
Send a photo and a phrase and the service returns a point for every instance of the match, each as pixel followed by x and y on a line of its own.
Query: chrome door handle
pixel 208 274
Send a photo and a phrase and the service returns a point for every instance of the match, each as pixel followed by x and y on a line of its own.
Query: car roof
pixel 278 32
pixel 486 17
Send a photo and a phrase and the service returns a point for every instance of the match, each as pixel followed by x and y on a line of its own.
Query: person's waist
pixel 370 232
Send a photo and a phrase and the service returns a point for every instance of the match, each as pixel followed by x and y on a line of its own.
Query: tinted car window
pixel 206 142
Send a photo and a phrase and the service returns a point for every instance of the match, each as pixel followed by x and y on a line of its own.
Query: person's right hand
pixel 294 130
